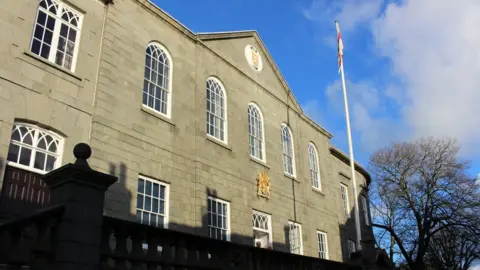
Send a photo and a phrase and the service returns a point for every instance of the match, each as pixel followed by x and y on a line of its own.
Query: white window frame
pixel 292 145
pixel 269 224
pixel 350 247
pixel 166 200
pixel 225 112
pixel 34 149
pixel 251 107
pixel 225 204
pixel 56 32
pixel 168 90
pixel 365 209
pixel 314 166
pixel 345 201
pixel 300 237
pixel 325 245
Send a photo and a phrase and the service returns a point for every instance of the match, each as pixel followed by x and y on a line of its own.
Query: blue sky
pixel 405 78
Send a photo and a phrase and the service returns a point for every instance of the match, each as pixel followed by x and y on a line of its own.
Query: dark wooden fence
pixel 72 234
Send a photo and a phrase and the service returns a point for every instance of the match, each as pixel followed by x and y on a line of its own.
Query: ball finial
pixel 82 151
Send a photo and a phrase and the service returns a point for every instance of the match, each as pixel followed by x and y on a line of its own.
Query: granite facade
pixel 101 104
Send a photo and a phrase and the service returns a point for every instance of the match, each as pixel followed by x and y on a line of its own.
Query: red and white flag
pixel 340 46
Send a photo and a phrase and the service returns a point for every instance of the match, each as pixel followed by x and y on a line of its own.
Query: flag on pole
pixel 340 46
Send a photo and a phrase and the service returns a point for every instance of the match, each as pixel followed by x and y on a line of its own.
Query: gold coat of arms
pixel 263 185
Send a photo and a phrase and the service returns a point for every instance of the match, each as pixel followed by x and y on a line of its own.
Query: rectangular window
pixel 218 219
pixel 351 247
pixel 295 238
pixel 346 207
pixel 262 229
pixel 152 202
pixel 322 245
pixel 57 33
pixel 365 210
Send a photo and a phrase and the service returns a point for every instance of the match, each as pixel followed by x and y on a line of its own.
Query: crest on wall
pixel 253 57
pixel 263 185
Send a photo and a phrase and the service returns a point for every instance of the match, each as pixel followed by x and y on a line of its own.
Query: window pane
pixel 28 139
pixel 45 51
pixel 139 216
pixel 148 188
pixel 59 58
pixel 141 184
pixel 25 156
pixel 145 218
pixel 48 37
pixel 61 44
pixel 68 62
pixel 72 35
pixel 70 48
pixel 155 190
pixel 38 32
pixel 162 207
pixel 63 30
pixel 161 222
pixel 50 23
pixel 155 205
pixel 162 192
pixel 13 153
pixel 140 201
pixel 39 162
pixel 148 203
pixel 153 219
pixel 41 18
pixel 36 47
pixel 50 163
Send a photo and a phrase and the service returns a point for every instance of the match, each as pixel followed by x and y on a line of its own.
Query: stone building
pixel 202 130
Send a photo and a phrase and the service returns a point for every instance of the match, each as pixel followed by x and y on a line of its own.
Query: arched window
pixel 216 110
pixel 288 154
pixel 157 79
pixel 255 131
pixel 314 169
pixel 34 148
pixel 57 33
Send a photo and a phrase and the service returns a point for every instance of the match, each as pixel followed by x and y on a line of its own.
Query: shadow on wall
pixel 347 232
pixel 119 199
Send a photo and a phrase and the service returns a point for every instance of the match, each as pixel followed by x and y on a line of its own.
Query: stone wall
pixel 36 91
pixel 128 140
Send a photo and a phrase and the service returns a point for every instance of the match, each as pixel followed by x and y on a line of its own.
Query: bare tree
pixel 454 248
pixel 422 190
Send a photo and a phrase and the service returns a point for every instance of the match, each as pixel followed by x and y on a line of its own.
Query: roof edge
pixel 343 157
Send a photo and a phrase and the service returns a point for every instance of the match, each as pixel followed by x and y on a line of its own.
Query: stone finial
pixel 82 152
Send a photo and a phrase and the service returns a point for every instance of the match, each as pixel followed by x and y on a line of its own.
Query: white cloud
pixel 436 53
pixel 476 267
pixel 350 13
pixel 368 115
pixel 433 49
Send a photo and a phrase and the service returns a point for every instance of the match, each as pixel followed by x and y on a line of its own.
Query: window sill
pixel 157 114
pixel 26 168
pixel 53 65
pixel 217 142
pixel 291 177
pixel 318 191
pixel 261 162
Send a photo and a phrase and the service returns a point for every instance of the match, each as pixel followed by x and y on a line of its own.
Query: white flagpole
pixel 350 149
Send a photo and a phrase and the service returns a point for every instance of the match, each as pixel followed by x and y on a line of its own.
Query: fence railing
pixel 74 234
pixel 130 245
pixel 29 240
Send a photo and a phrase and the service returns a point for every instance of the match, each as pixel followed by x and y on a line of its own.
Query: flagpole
pixel 350 149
